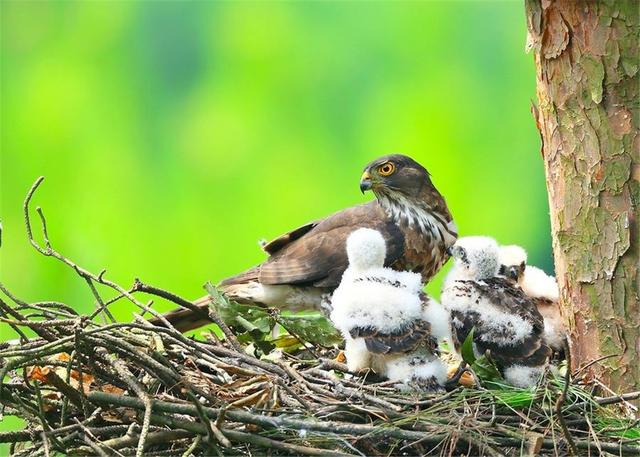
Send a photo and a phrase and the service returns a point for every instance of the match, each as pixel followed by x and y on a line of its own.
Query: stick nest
pixel 259 383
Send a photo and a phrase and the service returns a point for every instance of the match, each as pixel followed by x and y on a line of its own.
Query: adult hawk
pixel 305 265
pixel 543 290
pixel 505 320
pixel 388 323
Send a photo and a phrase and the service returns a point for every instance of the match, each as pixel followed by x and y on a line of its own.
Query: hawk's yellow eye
pixel 386 169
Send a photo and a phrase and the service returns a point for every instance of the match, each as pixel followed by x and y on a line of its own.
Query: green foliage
pixel 314 328
pixel 485 369
pixel 482 366
pixel 468 354
pixel 254 324
pixel 512 396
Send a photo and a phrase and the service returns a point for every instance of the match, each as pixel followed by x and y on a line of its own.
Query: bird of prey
pixel 504 319
pixel 388 323
pixel 305 265
pixel 542 288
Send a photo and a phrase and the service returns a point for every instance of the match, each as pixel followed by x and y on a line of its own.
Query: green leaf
pixel 236 314
pixel 485 369
pixel 482 366
pixel 312 328
pixel 252 324
pixel 256 323
pixel 286 342
pixel 467 348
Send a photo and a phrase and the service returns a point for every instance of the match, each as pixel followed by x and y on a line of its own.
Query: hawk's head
pixel 476 257
pixel 513 260
pixel 395 173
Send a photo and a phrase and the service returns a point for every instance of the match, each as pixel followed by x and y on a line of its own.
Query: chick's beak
pixel 365 182
pixel 512 273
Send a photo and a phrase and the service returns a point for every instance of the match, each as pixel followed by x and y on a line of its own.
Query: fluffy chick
pixel 506 321
pixel 388 323
pixel 539 286
pixel 513 261
pixel 544 290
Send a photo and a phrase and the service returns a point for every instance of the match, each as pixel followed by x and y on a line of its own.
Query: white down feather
pixel 523 376
pixel 481 255
pixel 370 295
pixel 369 299
pixel 512 254
pixel 498 326
pixel 408 368
pixel 537 284
pixel 439 318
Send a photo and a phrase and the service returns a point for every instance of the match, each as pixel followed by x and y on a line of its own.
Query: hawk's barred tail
pixel 184 319
pixel 242 278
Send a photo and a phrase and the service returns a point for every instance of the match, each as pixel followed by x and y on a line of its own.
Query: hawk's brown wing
pixel 316 253
pixel 404 340
pixel 275 245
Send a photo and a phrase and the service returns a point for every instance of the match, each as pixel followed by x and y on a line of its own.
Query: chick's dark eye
pixel 386 169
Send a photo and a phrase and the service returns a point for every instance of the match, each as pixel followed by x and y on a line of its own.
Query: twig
pixel 193 446
pixel 274 312
pixel 592 362
pixel 41 331
pixel 152 438
pixel 69 392
pixel 102 398
pixel 142 287
pixel 618 398
pixel 243 437
pixel 561 399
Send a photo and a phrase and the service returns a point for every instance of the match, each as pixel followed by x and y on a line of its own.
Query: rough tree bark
pixel 586 55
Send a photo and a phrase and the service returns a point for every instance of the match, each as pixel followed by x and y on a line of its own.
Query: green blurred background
pixel 173 136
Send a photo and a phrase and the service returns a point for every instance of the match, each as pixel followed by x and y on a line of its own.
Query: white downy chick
pixel 513 260
pixel 543 288
pixel 539 286
pixel 506 321
pixel 388 323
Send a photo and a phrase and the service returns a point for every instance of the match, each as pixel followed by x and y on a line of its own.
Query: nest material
pixel 131 389
pixel 90 387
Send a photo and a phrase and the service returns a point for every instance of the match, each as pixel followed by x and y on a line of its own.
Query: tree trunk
pixel 586 55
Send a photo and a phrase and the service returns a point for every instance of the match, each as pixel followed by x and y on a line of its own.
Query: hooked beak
pixel 365 182
pixel 450 250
